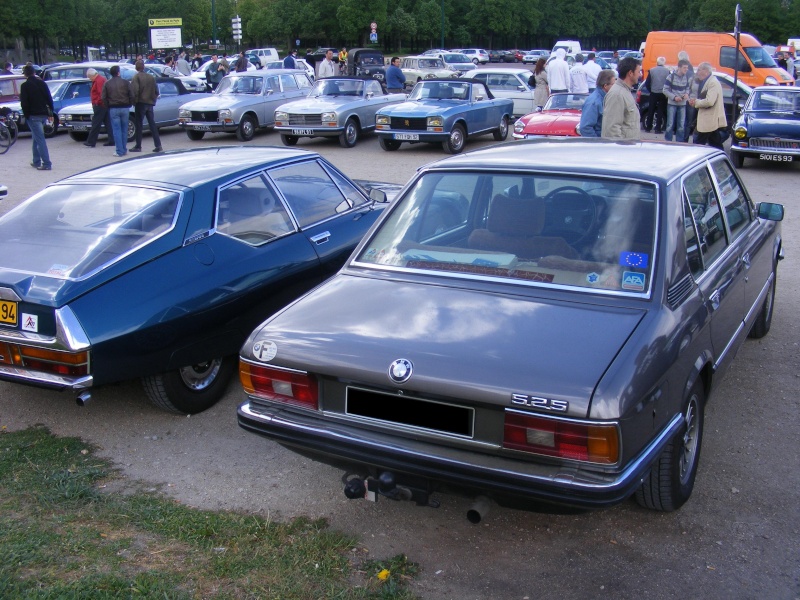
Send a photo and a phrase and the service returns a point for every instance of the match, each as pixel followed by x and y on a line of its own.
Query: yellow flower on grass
pixel 384 575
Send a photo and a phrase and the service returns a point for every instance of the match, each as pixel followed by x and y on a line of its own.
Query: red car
pixel 559 117
pixel 517 54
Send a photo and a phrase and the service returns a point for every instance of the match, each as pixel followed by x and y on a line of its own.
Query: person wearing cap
pixel 100 115
pixel 37 106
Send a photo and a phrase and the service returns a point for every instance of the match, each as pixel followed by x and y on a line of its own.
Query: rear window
pixel 561 231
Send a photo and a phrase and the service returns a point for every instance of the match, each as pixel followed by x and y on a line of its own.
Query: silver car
pixel 342 107
pixel 243 103
pixel 508 83
pixel 77 119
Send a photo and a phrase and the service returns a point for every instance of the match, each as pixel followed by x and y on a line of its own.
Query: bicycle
pixel 8 130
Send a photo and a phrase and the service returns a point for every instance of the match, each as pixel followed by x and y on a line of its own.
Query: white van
pixel 265 55
pixel 570 46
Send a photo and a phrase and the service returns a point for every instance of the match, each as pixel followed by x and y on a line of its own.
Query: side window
pixel 288 82
pixel 250 211
pixel 374 88
pixel 351 193
pixel 737 206
pixel 690 237
pixel 303 82
pixel 482 77
pixel 167 88
pixel 727 56
pixel 310 192
pixel 273 84
pixel 704 206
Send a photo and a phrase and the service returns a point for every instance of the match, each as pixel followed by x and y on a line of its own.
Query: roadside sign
pixel 373 37
pixel 178 22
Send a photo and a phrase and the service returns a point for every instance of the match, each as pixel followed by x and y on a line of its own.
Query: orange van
pixel 756 66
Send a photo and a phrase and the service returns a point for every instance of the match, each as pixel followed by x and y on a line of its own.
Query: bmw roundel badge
pixel 400 370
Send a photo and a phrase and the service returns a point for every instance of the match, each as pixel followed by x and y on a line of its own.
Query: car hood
pixel 422 108
pixel 462 343
pixel 317 104
pixel 775 125
pixel 553 123
pixel 78 108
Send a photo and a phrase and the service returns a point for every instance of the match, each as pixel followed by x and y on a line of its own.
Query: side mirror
pixel 380 196
pixel 478 97
pixel 4 191
pixel 770 211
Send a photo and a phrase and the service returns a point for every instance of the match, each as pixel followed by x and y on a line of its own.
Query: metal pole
pixel 442 44
pixel 213 22
pixel 736 31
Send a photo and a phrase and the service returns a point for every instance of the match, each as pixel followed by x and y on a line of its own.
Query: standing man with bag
pixel 145 94
pixel 37 106
pixel 100 115
pixel 711 121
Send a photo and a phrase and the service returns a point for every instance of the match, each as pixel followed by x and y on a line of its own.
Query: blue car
pixel 769 128
pixel 65 92
pixel 159 267
pixel 446 111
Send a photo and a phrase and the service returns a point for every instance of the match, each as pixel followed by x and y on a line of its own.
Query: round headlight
pixel 740 133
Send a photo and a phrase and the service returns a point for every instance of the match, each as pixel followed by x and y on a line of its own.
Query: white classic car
pixel 417 68
pixel 342 107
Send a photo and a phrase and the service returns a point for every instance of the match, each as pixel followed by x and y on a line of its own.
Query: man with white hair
pixel 657 110
pixel 100 114
pixel 558 72
pixel 711 121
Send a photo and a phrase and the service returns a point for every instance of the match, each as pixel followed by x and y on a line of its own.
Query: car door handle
pixel 714 299
pixel 321 238
pixel 746 260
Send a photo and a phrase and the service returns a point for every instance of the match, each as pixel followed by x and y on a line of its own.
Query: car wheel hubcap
pixel 503 127
pixel 690 438
pixel 456 138
pixel 351 133
pixel 198 377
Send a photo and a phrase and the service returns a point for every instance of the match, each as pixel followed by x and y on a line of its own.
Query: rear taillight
pixel 292 387
pixel 569 440
pixel 58 362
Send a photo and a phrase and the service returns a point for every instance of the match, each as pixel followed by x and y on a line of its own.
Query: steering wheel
pixel 571 214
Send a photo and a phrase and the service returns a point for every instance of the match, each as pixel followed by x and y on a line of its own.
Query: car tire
pixel 501 133
pixel 349 137
pixel 192 389
pixel 475 61
pixel 132 129
pixel 738 159
pixel 763 321
pixel 456 140
pixel 247 128
pixel 79 136
pixel 671 479
pixel 195 136
pixel 52 130
pixel 289 140
pixel 389 145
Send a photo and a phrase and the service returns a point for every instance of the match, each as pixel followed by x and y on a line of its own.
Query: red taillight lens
pixel 562 439
pixel 59 362
pixel 278 385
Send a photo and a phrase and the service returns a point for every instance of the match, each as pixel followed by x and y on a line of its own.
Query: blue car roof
pixel 193 167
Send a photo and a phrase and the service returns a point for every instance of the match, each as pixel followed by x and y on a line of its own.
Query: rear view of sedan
pixel 516 325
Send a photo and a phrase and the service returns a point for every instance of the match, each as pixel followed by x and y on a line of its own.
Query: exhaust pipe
pixel 83 398
pixel 479 509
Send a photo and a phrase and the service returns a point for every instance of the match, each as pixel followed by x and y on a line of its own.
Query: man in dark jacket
pixel 37 106
pixel 145 93
pixel 118 97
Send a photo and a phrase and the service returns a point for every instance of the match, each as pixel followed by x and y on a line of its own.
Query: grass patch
pixel 62 536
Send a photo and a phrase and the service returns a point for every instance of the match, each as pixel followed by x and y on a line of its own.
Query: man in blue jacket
pixel 395 80
pixel 591 124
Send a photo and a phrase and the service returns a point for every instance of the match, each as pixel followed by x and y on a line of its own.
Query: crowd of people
pixel 679 99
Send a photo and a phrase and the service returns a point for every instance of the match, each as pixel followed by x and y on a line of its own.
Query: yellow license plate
pixel 8 312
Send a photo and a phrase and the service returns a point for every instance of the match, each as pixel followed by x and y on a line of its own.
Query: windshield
pixel 240 85
pixel 430 63
pixel 566 102
pixel 338 87
pixel 777 100
pixel 759 57
pixel 440 90
pixel 369 59
pixel 56 88
pixel 69 231
pixel 561 231
pixel 456 58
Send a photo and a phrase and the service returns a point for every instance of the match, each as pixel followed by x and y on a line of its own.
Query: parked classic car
pixel 300 63
pixel 243 103
pixel 417 68
pixel 9 87
pixel 545 323
pixel 769 128
pixel 158 267
pixel 77 119
pixel 457 62
pixel 342 107
pixel 447 111
pixel 78 70
pixel 508 83
pixel 65 93
pixel 366 62
pixel 560 116
pixel 190 82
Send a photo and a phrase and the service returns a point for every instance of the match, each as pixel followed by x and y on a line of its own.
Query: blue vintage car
pixel 341 107
pixel 447 111
pixel 65 93
pixel 769 128
pixel 158 267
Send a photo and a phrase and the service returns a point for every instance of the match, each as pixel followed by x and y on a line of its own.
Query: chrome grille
pixel 310 120
pixel 82 118
pixel 420 123
pixel 773 144
pixel 208 116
